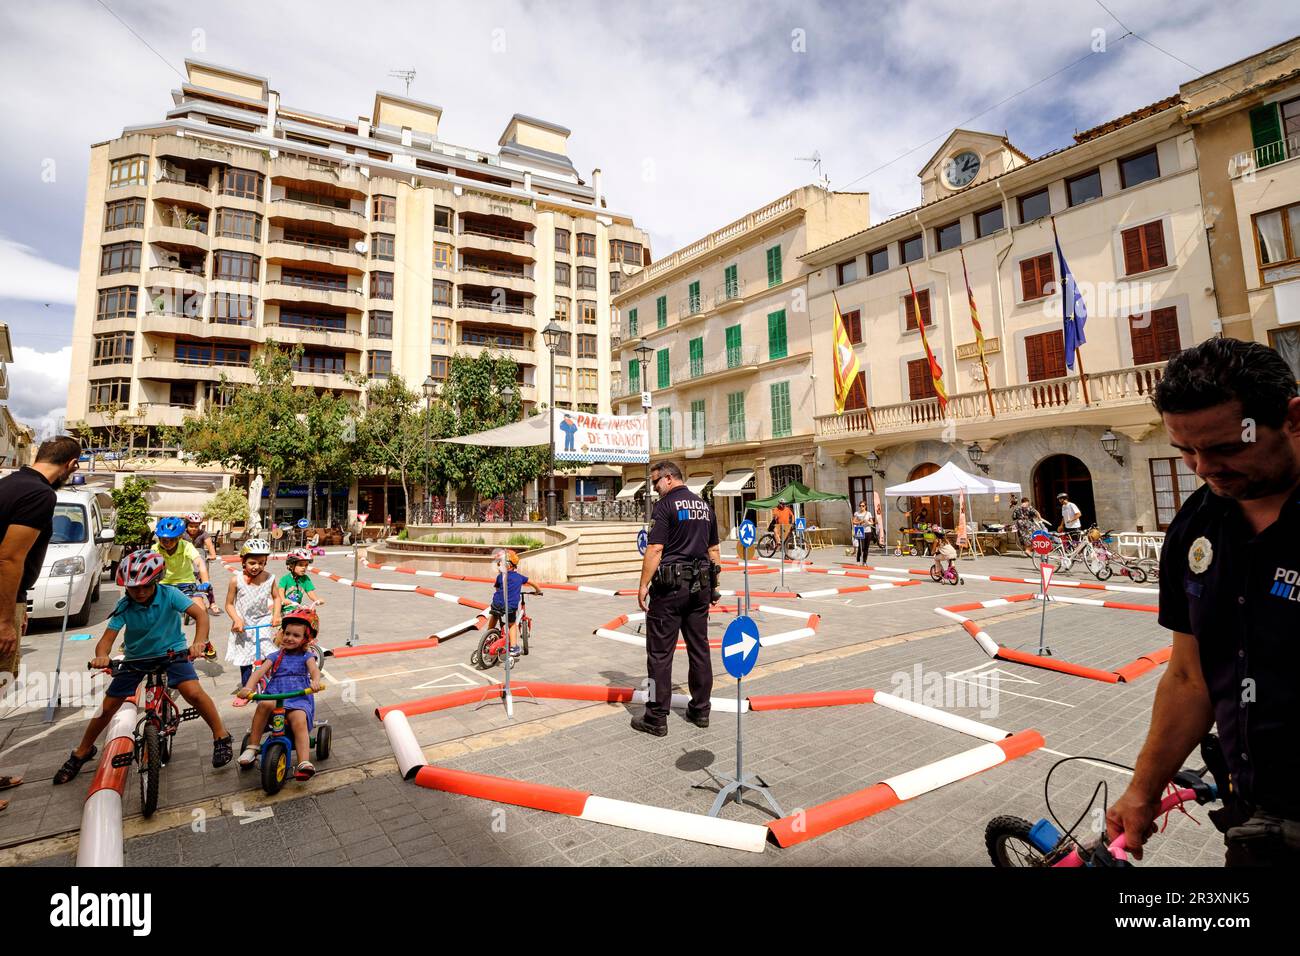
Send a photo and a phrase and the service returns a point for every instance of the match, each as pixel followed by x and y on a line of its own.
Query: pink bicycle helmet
pixel 298 554
pixel 194 518
pixel 140 568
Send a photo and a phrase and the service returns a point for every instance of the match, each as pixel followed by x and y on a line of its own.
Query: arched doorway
pixel 1058 473
pixel 931 509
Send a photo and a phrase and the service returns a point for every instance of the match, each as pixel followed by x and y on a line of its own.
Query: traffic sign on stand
pixel 800 523
pixel 1041 543
pixel 302 523
pixel 747 533
pixel 1042 546
pixel 740 647
pixel 642 540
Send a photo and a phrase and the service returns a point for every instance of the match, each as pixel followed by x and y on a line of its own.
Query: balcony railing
pixel 694 305
pixel 686 437
pixel 1119 387
pixel 490 232
pixel 496 342
pixel 728 292
pixel 1266 155
pixel 494 307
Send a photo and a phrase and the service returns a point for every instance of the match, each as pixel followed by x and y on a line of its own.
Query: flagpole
pixel 979 334
pixel 1078 350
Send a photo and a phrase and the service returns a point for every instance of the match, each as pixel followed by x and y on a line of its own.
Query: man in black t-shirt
pixel 677 582
pixel 26 522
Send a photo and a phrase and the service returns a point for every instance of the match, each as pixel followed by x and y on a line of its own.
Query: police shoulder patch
pixel 1200 554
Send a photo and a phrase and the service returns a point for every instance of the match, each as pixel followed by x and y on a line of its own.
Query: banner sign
pixel 579 436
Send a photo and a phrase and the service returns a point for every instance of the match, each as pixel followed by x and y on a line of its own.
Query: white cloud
pixel 38 386
pixel 24 274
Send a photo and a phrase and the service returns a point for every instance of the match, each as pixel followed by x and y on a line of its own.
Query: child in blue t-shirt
pixel 514 587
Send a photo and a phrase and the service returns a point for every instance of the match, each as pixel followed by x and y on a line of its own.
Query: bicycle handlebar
pixel 286 696
pixel 146 664
pixel 1117 849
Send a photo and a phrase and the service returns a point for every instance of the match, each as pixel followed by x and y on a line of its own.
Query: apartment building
pixel 719 333
pixel 236 221
pixel 17 446
pixel 1125 200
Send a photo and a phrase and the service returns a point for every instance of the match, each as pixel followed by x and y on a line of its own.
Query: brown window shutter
pixel 1153 236
pixel 919 383
pixel 1134 260
pixel 924 295
pixel 1028 280
pixel 858 394
pixel 1055 354
pixel 1034 357
pixel 1143 339
pixel 1046 272
pixel 1164 328
pixel 1045 356
pixel 853 326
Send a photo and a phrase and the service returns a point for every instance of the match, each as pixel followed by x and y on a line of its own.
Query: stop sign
pixel 1042 545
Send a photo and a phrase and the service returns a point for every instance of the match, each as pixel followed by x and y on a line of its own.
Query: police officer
pixel 678 583
pixel 1230 592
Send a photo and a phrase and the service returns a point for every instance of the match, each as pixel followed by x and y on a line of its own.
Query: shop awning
pixel 697 483
pixel 630 489
pixel 732 483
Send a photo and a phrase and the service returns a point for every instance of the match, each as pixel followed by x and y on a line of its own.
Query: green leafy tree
pixel 131 512
pixel 228 506
pixel 118 442
pixel 392 433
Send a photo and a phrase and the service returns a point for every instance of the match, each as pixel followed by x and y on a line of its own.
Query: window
pixel 561 240
pixel 736 416
pixel 233 308
pixel 381 285
pixel 661 312
pixel 239 224
pixel 781 426
pixel 113 348
pixel 730 283
pixel 620 250
pixel 381 326
pixel 562 308
pixel 631 323
pixel 440 332
pixel 633 376
pixel 565 345
pixel 920 384
pixel 119 257
pixel 615 281
pixel 661 360
pixel 665 429
pixel 1154 336
pixel 1277 235
pixel 699 423
pixel 696 348
pixel 948 237
pixel 586 312
pixel 1144 248
pixel 913 249
pixel 853 326
pixel 774 266
pixel 988 222
pixel 442 218
pixel 877 261
pixel 1172 483
pixel 380 364
pixel 562 274
pixel 1080 189
pixel 117 303
pixel 909 310
pixel 438 367
pixel 1035 205
pixel 589 408
pixel 317 240
pixel 1045 356
pixel 240 266
pixel 110 392
pixel 384 209
pixel 442 254
pixel 308 279
pixel 308 198
pixel 314 321
pixel 586 346
pixel 587 379
pixel 207 353
pixel 243 183
pixel 777 347
pixel 1287 344
pixel 734 351
pixel 847 272
pixel 562 379
pixel 124 214
pixel 132 171
pixel 384 246
pixel 586 277
pixel 1036 275
pixel 587 245
pixel 1139 169
pixel 441 292
pixel 693 298
pixel 857 399
pixel 782 475
pixel 321 362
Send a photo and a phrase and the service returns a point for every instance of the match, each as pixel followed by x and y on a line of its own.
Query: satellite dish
pixel 361 246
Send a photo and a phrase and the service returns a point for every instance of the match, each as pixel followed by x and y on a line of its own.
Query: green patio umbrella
pixel 796 493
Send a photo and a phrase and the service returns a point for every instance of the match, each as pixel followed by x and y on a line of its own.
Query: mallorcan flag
pixel 936 372
pixel 846 360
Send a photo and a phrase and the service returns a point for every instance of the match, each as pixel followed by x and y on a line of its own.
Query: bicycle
pixel 1104 562
pixel 276 753
pixel 794 545
pixel 157 725
pixel 491 648
pixel 948 575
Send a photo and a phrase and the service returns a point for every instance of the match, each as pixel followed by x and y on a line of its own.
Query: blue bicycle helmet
pixel 169 527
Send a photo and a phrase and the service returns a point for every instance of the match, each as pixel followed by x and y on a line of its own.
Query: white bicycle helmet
pixel 256 546
pixel 298 554
pixel 194 518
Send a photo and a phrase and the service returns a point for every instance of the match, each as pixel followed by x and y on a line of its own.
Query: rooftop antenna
pixel 405 76
pixel 816 159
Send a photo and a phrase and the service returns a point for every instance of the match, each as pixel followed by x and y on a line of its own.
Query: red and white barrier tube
pixel 101 817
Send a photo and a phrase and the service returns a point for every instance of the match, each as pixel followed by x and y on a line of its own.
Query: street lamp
pixel 873 462
pixel 1110 444
pixel 551 335
pixel 643 353
pixel 976 455
pixel 430 390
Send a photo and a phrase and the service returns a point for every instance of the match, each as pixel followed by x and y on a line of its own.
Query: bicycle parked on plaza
pixel 793 546
pixel 1104 562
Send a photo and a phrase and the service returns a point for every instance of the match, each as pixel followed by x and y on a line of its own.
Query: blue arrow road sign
pixel 740 647
pixel 747 533
pixel 642 540
pixel 302 523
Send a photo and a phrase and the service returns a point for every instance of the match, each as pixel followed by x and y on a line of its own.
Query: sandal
pixel 223 751
pixel 304 771
pixel 248 757
pixel 8 783
pixel 72 766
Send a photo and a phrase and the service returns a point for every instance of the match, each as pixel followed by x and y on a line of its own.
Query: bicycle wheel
pixel 1151 567
pixel 1007 840
pixel 796 548
pixel 1136 573
pixel 275 767
pixel 150 768
pixel 935 574
pixel 487 656
pixel 767 545
pixel 1104 572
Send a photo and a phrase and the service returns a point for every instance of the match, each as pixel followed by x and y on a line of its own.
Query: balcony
pixel 694 307
pixel 712 368
pixel 348 299
pixel 492 236
pixel 728 295
pixel 348 340
pixel 488 278
pixel 183 191
pixel 281 210
pixel 507 310
pixel 1117 397
pixel 1270 154
pixel 168 369
pixel 337 176
pixel 178 279
pixel 286 251
pixel 718 439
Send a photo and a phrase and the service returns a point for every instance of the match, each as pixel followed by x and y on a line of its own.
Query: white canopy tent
pixel 951 480
pixel 528 433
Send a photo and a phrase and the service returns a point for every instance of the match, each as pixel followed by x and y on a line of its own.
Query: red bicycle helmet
pixel 304 615
pixel 140 568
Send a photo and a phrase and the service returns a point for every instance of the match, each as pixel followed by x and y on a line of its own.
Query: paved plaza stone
pixel 358 811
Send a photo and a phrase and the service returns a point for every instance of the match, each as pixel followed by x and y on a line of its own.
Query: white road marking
pixel 1091 763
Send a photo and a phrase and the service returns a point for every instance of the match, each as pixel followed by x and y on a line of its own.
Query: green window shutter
pixel 661 311
pixel 633 376
pixel 693 293
pixel 736 416
pixel 631 323
pixel 776 345
pixel 733 346
pixel 780 409
pixel 729 280
pixel 665 429
pixel 697 423
pixel 662 359
pixel 697 357
pixel 1266 133
pixel 774 266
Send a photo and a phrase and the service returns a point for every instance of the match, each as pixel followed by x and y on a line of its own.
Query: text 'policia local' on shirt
pixel 684 524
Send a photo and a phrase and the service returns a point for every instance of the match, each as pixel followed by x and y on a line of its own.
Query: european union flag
pixel 1073 308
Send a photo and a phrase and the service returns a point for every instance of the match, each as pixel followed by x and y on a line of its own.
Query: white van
pixel 79 548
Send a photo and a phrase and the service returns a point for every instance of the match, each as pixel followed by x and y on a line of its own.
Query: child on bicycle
pixel 150 614
pixel 182 559
pixel 254 603
pixel 944 551
pixel 292 667
pixel 514 587
pixel 296 585
pixel 198 536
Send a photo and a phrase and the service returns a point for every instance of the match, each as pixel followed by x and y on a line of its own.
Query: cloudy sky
pixel 695 112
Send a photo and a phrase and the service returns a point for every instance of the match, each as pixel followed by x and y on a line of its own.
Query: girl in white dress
pixel 253 601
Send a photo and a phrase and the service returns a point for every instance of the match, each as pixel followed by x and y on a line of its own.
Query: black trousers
pixel 864 548
pixel 673 610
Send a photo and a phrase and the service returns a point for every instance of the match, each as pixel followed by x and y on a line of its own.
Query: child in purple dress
pixel 291 668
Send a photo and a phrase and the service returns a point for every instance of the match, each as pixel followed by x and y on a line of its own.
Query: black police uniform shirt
pixel 684 524
pixel 1238 593
pixel 27 499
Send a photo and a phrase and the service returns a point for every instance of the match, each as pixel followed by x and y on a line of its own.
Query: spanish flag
pixel 936 372
pixel 845 362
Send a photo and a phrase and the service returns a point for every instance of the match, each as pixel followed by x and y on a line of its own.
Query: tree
pixel 328 448
pixel 393 430
pixel 131 513
pixel 119 440
pixel 228 506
